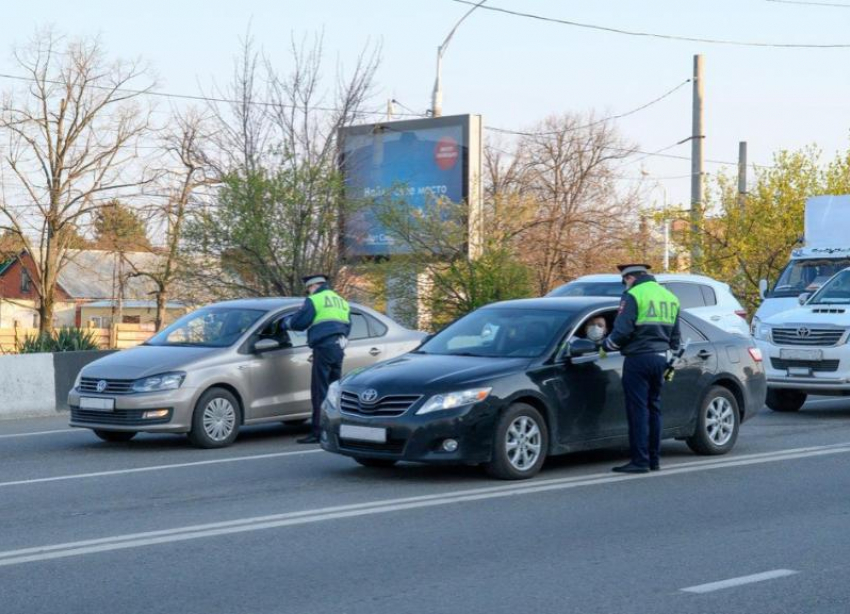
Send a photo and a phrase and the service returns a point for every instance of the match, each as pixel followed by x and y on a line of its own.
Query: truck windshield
pixel 807 275
pixel 837 291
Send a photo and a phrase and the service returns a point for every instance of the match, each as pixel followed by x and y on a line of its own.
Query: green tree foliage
pixel 65 339
pixel 750 239
pixel 119 229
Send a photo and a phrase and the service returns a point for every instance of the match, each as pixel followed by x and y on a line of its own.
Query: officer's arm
pixel 624 325
pixel 303 318
pixel 676 335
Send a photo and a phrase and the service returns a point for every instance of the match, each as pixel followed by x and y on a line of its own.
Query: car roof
pixel 661 277
pixel 565 303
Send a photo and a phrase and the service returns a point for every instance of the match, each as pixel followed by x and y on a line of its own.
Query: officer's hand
pixel 602 352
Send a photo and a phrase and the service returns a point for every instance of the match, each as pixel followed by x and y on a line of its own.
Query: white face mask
pixel 595 332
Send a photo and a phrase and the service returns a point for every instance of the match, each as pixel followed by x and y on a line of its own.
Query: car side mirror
pixel 425 340
pixel 582 347
pixel 266 345
pixel 762 288
pixel 805 296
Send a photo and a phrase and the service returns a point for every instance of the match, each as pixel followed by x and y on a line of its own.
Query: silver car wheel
pixel 219 419
pixel 523 442
pixel 720 421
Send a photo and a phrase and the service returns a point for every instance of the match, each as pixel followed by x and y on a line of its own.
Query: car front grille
pixel 385 407
pixel 822 366
pixel 393 446
pixel 812 337
pixel 124 417
pixel 113 386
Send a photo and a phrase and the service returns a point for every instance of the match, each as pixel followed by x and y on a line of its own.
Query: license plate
pixel 363 433
pixel 801 354
pixel 97 404
pixel 799 372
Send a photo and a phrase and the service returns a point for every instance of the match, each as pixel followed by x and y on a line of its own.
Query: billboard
pixel 409 163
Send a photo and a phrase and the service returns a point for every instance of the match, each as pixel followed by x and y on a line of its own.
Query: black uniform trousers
pixel 643 377
pixel 327 368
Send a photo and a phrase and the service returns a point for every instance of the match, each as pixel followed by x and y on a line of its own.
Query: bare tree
pixel 71 136
pixel 559 193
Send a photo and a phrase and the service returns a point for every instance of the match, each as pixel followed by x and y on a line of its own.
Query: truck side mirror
pixel 762 288
pixel 805 296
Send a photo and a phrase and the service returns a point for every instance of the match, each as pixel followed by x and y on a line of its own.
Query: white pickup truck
pixel 806 349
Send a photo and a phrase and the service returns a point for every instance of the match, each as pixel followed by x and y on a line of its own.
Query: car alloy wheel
pixel 720 421
pixel 523 442
pixel 219 419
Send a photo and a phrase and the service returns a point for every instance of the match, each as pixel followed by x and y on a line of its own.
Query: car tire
pixel 785 400
pixel 520 444
pixel 216 419
pixel 114 436
pixel 718 423
pixel 379 463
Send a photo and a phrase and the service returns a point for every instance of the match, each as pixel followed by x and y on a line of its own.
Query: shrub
pixel 65 339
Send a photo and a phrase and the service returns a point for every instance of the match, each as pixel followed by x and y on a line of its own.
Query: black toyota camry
pixel 514 382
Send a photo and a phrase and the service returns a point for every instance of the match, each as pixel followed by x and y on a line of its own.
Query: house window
pixel 131 319
pixel 26 281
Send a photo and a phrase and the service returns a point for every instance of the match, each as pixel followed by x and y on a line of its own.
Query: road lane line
pixel 116 472
pixel 100 474
pixel 179 534
pixel 740 581
pixel 34 433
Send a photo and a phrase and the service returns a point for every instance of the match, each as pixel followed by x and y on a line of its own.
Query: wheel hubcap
pixel 219 419
pixel 523 442
pixel 720 421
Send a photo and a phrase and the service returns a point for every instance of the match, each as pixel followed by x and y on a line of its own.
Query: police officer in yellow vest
pixel 325 316
pixel 646 328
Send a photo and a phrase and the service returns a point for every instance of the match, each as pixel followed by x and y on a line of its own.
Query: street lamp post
pixel 437 96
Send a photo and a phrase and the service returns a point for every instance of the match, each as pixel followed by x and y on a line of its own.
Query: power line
pixel 600 121
pixel 195 97
pixel 829 4
pixel 674 37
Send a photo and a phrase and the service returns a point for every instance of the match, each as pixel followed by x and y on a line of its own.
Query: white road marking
pixel 758 577
pixel 34 433
pixel 100 474
pixel 179 534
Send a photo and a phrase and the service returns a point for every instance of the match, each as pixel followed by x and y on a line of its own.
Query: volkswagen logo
pixel 369 396
pixel 101 385
pixel 803 332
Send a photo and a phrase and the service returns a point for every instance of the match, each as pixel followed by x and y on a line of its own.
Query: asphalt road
pixel 267 526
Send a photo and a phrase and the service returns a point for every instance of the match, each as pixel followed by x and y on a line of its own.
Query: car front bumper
pixel 829 375
pixel 128 414
pixel 416 438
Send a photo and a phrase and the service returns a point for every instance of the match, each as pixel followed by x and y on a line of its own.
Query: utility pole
pixel 697 138
pixel 742 172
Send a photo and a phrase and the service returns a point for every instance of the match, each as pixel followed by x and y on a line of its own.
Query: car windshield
pixel 590 288
pixel 835 292
pixel 500 333
pixel 213 327
pixel 806 276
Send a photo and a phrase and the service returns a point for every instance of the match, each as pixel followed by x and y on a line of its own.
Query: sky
pixel 516 71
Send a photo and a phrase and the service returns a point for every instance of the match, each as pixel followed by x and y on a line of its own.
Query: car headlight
pixel 79 380
pixel 454 399
pixel 762 332
pixel 334 394
pixel 156 383
pixel 754 325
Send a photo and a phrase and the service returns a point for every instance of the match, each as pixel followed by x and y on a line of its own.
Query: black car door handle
pixel 375 351
pixel 704 354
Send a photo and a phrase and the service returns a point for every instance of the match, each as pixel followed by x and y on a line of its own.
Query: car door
pixel 280 379
pixel 594 406
pixel 680 397
pixel 364 346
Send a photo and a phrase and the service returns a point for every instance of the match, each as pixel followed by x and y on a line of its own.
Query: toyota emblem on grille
pixel 369 396
pixel 803 332
pixel 101 385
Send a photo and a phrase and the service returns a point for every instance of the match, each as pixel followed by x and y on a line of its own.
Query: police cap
pixel 633 269
pixel 317 278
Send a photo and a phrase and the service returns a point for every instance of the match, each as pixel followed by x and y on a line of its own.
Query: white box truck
pixel 825 251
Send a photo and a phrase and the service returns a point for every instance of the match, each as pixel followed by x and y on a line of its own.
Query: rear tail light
pixel 755 353
pixel 741 312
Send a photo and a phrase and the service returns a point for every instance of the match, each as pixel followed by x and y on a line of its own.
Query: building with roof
pixel 88 277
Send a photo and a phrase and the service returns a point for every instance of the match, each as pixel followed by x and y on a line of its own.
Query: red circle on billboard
pixel 446 153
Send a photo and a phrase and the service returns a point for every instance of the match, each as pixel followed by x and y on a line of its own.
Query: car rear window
pixel 359 327
pixel 689 295
pixel 708 295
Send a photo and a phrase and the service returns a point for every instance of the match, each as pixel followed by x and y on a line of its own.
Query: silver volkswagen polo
pixel 224 366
